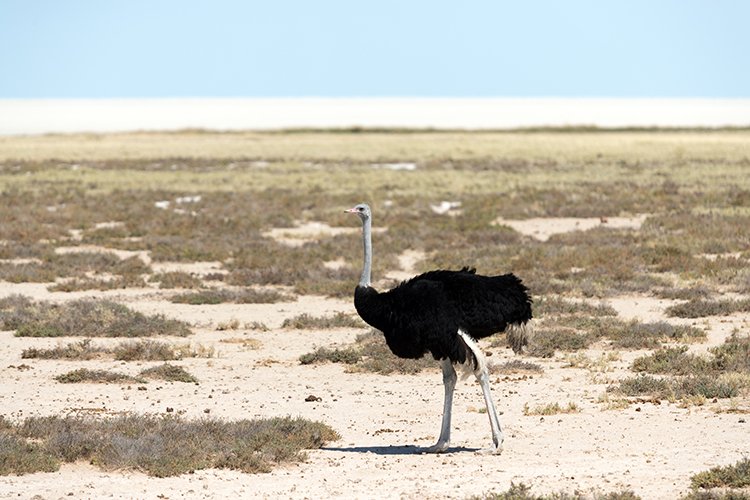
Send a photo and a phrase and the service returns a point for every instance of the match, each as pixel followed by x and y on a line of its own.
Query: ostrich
pixel 443 312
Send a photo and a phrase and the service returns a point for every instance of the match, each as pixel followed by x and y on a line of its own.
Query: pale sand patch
pixel 339 263
pixel 196 268
pixel 543 227
pixel 641 307
pixel 407 262
pixel 304 232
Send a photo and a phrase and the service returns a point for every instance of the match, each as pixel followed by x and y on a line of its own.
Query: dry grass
pixel 369 354
pixel 699 308
pixel 725 374
pixel 142 350
pixel 575 332
pixel 219 296
pixel 86 375
pixel 731 476
pixel 82 317
pixel 551 409
pixel 567 146
pixel 81 350
pixel 522 492
pixel 176 279
pixel 169 373
pixel 166 372
pixel 307 322
pixel 152 350
pixel 159 446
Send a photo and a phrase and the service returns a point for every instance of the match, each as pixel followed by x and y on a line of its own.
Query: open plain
pixel 232 251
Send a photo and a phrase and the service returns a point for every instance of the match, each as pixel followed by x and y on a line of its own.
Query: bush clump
pixel 83 317
pixel 159 446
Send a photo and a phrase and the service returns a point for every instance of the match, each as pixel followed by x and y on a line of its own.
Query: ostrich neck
pixel 364 280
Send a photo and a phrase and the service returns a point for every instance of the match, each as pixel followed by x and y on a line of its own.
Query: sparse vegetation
pixel 308 322
pixel 724 374
pixel 159 446
pixel 143 350
pixel 81 350
pixel 575 332
pixel 699 386
pixel 218 296
pixel 699 308
pixel 176 279
pixel 551 409
pixel 730 476
pixel 368 354
pixel 82 317
pixel 516 366
pixel 522 492
pixel 167 372
pixel 692 247
pixel 97 376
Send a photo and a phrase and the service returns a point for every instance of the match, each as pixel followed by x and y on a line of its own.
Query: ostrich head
pixel 362 210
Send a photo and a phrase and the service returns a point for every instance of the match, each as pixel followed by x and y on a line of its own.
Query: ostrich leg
pixel 497 434
pixel 483 376
pixel 449 381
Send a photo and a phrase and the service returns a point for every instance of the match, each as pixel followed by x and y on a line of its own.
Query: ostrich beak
pixel 350 210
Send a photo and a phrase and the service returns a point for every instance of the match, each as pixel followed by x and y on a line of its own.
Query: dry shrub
pixel 219 296
pixel 159 446
pixel 82 317
pixel 699 308
pixel 736 475
pixel 725 374
pixel 81 350
pixel 176 279
pixel 169 373
pixel 96 376
pixel 307 322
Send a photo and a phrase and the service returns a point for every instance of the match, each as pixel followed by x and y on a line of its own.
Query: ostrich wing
pixel 426 312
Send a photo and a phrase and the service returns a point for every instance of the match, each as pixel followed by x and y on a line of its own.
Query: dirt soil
pixel 650 448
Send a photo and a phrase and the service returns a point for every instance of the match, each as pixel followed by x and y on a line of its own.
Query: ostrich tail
pixel 518 335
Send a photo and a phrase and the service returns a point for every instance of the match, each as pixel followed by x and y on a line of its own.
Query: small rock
pixel 312 398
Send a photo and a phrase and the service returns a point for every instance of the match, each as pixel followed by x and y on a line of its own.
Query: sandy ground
pixel 650 448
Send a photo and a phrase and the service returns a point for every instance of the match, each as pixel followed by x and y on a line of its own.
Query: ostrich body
pixel 442 313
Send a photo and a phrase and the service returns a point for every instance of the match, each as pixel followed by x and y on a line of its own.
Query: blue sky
pixel 331 48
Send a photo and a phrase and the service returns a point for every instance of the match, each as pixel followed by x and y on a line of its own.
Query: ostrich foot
pixel 495 450
pixel 439 447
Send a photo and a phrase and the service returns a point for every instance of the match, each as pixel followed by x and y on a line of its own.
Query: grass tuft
pixel 700 308
pixel 159 446
pixel 730 476
pixel 307 322
pixel 82 317
pixel 176 279
pixel 169 373
pixel 724 374
pixel 81 350
pixel 522 492
pixel 85 375
pixel 551 409
pixel 368 354
pixel 245 296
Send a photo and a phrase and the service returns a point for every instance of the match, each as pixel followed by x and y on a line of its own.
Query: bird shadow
pixel 396 450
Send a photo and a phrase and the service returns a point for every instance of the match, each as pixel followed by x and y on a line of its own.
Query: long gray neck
pixel 364 280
